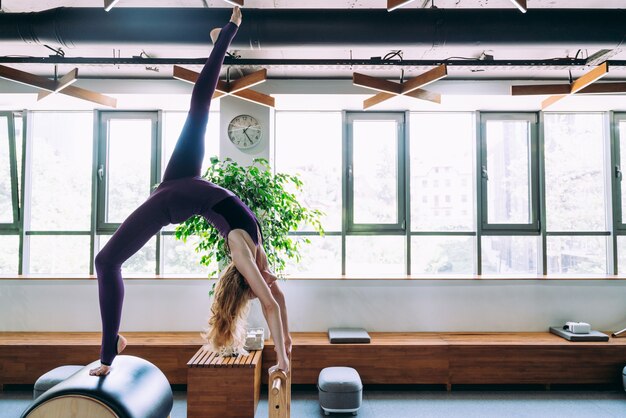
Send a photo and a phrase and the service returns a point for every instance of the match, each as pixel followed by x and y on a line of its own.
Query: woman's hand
pixel 288 345
pixel 236 16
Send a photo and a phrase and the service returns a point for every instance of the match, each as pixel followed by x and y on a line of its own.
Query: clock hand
pixel 244 132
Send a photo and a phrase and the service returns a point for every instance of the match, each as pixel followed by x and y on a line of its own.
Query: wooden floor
pixel 391 358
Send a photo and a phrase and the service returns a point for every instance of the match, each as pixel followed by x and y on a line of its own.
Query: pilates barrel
pixel 134 388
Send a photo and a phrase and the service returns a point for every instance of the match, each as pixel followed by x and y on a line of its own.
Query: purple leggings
pixel 167 204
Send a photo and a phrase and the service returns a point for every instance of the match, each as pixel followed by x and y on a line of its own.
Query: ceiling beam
pixel 109 4
pixel 248 81
pixel 428 77
pixel 396 4
pixel 375 83
pixel 27 78
pixel 521 5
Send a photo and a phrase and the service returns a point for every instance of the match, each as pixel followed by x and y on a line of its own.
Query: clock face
pixel 244 131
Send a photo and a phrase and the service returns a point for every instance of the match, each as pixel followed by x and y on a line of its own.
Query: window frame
pixel 482 173
pixel 12 228
pixel 352 228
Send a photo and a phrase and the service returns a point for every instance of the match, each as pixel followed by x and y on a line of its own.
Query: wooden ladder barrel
pixel 279 396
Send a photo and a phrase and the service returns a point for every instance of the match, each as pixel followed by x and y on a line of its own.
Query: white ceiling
pixel 156 71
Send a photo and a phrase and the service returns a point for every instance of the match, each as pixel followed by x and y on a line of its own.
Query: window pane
pixel 375 171
pixel 61 171
pixel 322 257
pixel 574 154
pixel 182 258
pixel 142 262
pixel 59 254
pixel 377 256
pixel 508 168
pixel 442 255
pixel 128 159
pixel 309 144
pixel 509 255
pixel 6 197
pixel 442 172
pixel 576 255
pixel 9 258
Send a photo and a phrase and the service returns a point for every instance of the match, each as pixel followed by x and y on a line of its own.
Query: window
pixel 509 172
pixel 58 211
pixel 375 172
pixel 575 179
pixel 309 144
pixel 8 173
pixel 127 164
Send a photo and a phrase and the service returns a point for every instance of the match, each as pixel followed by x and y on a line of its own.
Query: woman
pixel 182 194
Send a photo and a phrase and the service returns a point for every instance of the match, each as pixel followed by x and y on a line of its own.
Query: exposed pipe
pixel 281 28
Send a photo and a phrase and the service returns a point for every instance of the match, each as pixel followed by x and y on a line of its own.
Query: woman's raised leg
pixel 186 160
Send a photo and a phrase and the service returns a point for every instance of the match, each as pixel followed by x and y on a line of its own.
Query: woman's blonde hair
pixel 226 333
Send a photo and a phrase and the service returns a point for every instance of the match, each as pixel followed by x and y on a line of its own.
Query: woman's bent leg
pixel 134 232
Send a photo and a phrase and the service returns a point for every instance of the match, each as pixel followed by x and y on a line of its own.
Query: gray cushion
pixel 348 335
pixel 339 379
pixel 52 378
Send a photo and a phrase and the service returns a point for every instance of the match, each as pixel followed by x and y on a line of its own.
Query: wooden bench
pixel 391 358
pixel 24 356
pixel 459 358
pixel 223 387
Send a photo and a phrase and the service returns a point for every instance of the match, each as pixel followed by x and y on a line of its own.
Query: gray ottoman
pixel 52 378
pixel 340 390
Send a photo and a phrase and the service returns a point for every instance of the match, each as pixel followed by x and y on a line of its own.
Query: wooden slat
pixel 424 79
pixel 108 4
pixel 425 95
pixel 590 77
pixel 183 74
pixel 256 97
pixel 376 99
pixel 90 96
pixel 538 89
pixel 205 359
pixel 66 80
pixel 27 78
pixel 248 81
pixel 604 88
pixel 521 5
pixel 199 353
pixel 552 100
pixel 374 83
pixel 395 4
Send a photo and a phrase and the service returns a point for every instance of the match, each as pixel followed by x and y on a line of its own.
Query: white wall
pixel 377 305
pixel 314 305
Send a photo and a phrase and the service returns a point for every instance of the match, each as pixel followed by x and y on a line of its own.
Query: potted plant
pixel 268 195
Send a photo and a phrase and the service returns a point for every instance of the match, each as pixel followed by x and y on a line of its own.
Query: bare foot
pixel 103 370
pixel 100 371
pixel 236 16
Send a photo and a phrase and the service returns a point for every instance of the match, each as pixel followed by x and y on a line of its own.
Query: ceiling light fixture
pixel 235 2
pixel 239 88
pixel 51 86
pixel 108 4
pixel 389 89
pixel 396 4
pixel 521 5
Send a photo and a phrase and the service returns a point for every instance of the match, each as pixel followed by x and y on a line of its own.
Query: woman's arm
pixel 244 260
pixel 279 297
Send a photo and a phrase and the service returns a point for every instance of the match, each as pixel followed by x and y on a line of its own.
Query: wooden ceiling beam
pixel 590 77
pixel 27 78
